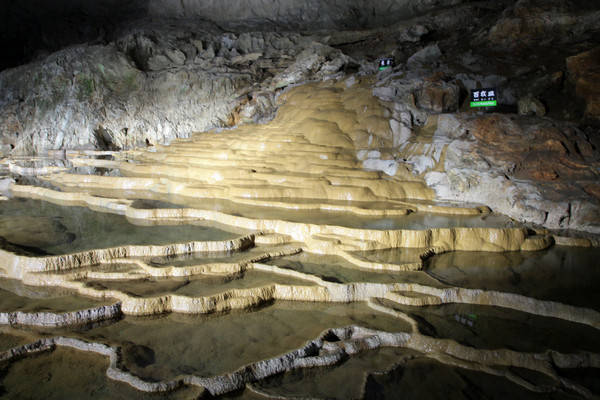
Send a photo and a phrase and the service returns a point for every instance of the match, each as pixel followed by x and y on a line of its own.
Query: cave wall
pixel 32 29
pixel 297 15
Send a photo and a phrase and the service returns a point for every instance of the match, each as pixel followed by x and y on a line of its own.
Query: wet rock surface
pixel 315 278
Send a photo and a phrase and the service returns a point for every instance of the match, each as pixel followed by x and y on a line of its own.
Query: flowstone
pixel 217 265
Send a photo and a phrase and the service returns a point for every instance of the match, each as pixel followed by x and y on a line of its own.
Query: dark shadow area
pixel 32 29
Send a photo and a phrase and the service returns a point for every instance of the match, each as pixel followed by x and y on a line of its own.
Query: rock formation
pixel 153 82
pixel 220 199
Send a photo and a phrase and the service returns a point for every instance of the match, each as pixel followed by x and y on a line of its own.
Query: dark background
pixel 31 29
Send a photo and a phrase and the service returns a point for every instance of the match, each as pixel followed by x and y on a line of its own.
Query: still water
pixel 162 347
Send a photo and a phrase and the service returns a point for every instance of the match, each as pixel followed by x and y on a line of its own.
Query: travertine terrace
pixel 293 187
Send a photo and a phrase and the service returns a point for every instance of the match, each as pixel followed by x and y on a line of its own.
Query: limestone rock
pixel 152 85
pixel 427 55
pixel 5 185
pixel 531 169
pixel 95 97
pixel 438 96
pixel 401 130
pixel 316 61
pixel 414 33
pixel 543 23
pixel 584 73
pixel 525 168
pixel 531 106
pixel 451 126
pixel 257 108
pixel 152 82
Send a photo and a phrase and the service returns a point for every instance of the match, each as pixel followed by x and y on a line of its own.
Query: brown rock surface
pixel 584 73
pixel 438 96
pixel 534 23
pixel 538 150
pixel 530 168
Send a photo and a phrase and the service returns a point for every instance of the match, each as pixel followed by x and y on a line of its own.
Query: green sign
pixel 386 63
pixel 489 103
pixel 484 97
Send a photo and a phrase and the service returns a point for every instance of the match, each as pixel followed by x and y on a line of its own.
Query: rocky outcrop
pixel 544 23
pixel 150 87
pixel 525 167
pixel 535 160
pixel 95 97
pixel 584 73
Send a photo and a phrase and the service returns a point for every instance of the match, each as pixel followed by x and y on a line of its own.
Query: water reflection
pixel 35 227
pixel 564 274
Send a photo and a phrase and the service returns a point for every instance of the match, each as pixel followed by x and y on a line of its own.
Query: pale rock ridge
pixel 47 319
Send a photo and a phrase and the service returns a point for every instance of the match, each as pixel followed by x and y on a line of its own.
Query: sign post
pixel 385 63
pixel 484 97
